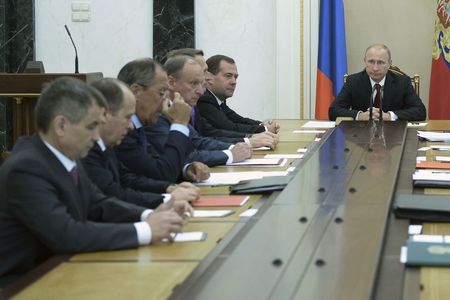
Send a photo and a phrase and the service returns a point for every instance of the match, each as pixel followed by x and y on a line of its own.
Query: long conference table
pixel 330 234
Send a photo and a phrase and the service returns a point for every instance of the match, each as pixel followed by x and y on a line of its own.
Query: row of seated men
pixel 111 163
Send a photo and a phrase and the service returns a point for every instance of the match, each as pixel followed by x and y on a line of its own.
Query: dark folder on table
pixel 427 254
pixel 423 207
pixel 263 185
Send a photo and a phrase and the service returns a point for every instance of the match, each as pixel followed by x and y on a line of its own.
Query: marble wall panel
pixel 173 26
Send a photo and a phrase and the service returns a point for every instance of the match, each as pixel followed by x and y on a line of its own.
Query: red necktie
pixel 377 102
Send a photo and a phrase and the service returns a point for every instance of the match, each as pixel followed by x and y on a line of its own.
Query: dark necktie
pixel 143 138
pixel 377 101
pixel 222 105
pixel 74 174
pixel 193 117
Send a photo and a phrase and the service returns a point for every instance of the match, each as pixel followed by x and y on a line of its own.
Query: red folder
pixel 237 200
pixel 432 165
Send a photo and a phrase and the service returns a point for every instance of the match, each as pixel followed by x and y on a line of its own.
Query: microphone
pixel 76 53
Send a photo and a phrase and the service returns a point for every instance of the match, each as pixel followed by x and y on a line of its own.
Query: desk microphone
pixel 76 53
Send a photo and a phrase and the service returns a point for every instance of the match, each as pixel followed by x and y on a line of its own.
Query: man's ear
pixel 172 81
pixel 59 125
pixel 135 88
pixel 209 77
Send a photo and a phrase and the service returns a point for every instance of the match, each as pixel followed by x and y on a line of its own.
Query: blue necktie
pixel 143 138
pixel 193 117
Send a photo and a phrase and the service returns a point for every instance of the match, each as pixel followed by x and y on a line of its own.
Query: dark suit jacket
pixel 206 150
pixel 226 118
pixel 114 179
pixel 398 97
pixel 43 212
pixel 206 129
pixel 166 165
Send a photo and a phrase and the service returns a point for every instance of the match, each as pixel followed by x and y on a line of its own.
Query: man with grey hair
pixel 110 175
pixel 48 204
pixel 205 128
pixel 149 84
pixel 186 78
pixel 377 92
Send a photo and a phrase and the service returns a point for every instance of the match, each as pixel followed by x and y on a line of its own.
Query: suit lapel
pixel 367 88
pixel 72 195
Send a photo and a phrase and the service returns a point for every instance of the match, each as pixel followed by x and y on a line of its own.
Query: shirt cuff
pixel 247 141
pixel 185 168
pixel 144 233
pixel 167 197
pixel 357 115
pixel 230 156
pixel 394 117
pixel 180 128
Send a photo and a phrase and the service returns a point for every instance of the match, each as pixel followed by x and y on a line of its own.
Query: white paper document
pixel 440 147
pixel 414 229
pixel 442 158
pixel 230 178
pixel 434 136
pixel 249 213
pixel 283 156
pixel 263 148
pixel 218 213
pixel 319 124
pixel 259 162
pixel 193 236
pixel 439 175
pixel 421 158
pixel 309 131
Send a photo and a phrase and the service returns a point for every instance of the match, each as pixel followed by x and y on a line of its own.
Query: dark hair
pixel 214 63
pixel 65 96
pixel 140 71
pixel 174 65
pixel 111 89
pixel 184 51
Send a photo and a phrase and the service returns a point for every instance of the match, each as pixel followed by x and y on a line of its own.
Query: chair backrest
pixel 415 80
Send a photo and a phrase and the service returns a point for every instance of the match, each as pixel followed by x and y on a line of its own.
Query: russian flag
pixel 440 66
pixel 332 58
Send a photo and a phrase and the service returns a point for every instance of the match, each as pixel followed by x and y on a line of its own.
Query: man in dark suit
pixel 186 77
pixel 48 204
pixel 221 83
pixel 391 96
pixel 111 176
pixel 148 82
pixel 205 128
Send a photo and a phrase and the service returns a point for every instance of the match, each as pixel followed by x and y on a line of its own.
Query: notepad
pixel 236 200
pixel 193 236
pixel 212 213
pixel 282 156
pixel 319 124
pixel 258 162
pixel 433 165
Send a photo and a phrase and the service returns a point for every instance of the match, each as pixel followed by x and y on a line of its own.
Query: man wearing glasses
pixel 390 96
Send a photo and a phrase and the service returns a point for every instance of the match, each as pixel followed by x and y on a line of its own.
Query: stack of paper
pixel 434 136
pixel 235 200
pixel 319 124
pixel 259 162
pixel 230 178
